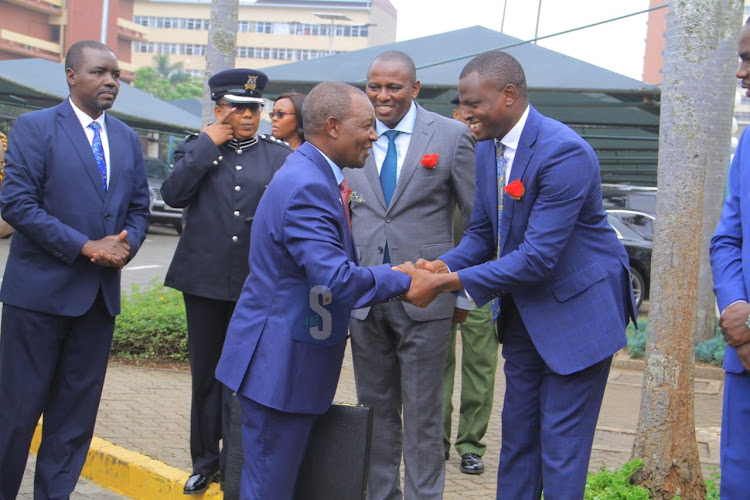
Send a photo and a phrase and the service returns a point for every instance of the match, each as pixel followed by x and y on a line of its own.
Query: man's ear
pixel 70 75
pixel 510 93
pixel 333 127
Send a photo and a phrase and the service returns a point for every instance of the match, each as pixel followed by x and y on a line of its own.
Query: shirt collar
pixel 85 119
pixel 512 138
pixel 406 125
pixel 337 173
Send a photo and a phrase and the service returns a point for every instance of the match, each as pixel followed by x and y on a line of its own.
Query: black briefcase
pixel 336 462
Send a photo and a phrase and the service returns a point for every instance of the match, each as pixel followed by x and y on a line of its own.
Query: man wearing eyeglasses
pixel 219 176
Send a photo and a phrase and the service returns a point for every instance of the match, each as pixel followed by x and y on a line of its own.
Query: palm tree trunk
pixel 221 47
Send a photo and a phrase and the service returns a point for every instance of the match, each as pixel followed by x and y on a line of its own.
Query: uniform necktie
pixel 98 149
pixel 388 169
pixel 500 162
pixel 388 177
pixel 345 193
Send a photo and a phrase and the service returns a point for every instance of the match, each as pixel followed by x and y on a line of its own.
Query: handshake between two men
pixel 428 280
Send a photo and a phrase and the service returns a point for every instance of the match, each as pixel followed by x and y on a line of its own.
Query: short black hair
pixel 499 67
pixel 74 57
pixel 401 57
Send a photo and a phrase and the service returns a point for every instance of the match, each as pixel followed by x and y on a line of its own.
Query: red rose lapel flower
pixel 429 161
pixel 515 189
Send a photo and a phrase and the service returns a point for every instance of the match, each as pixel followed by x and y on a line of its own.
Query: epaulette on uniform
pixel 190 137
pixel 273 140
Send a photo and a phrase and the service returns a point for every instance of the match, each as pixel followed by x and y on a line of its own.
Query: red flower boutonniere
pixel 429 161
pixel 515 189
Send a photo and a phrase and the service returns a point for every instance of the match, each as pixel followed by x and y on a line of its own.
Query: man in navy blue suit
pixel 559 288
pixel 730 263
pixel 75 190
pixel 286 340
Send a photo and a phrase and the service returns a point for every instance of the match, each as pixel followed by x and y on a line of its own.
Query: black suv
pixel 630 211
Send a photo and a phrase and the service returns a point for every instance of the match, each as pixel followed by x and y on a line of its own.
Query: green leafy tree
pixel 152 82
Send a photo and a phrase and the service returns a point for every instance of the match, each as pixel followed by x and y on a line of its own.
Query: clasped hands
pixel 733 323
pixel 428 280
pixel 110 251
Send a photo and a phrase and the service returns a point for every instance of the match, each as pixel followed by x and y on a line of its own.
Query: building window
pixel 167 48
pixel 245 26
pixel 146 47
pixel 193 49
pixel 263 27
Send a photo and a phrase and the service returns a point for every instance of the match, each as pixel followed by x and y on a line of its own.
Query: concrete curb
pixel 132 474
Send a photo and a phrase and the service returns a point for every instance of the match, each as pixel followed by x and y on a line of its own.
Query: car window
pixel 642 224
pixel 157 169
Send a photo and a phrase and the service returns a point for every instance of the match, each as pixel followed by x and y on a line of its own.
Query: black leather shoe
pixel 471 463
pixel 198 483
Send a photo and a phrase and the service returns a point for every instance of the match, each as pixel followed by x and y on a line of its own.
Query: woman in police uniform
pixel 219 176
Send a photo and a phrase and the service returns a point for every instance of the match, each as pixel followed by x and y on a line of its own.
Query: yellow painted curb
pixel 132 474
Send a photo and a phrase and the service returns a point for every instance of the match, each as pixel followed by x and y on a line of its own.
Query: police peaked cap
pixel 238 85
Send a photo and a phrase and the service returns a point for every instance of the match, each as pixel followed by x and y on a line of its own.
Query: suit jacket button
pixel 107 216
pixel 380 249
pixel 235 239
pixel 237 188
pixel 388 219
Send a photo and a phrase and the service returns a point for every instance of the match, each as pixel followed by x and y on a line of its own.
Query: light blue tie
pixel 388 177
pixel 500 161
pixel 98 149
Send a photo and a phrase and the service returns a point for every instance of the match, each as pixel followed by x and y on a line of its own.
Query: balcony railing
pixel 51 7
pixel 28 46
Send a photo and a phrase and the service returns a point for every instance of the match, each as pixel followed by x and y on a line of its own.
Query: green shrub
pixel 637 339
pixel 614 484
pixel 711 351
pixel 152 325
pixel 712 485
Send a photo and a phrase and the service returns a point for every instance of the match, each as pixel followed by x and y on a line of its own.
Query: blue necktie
pixel 388 169
pixel 500 161
pixel 388 177
pixel 96 147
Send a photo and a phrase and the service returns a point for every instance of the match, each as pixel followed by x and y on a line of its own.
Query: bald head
pixel 339 121
pixel 327 99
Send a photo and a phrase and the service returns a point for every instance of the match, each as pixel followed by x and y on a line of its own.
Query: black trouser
pixel 210 410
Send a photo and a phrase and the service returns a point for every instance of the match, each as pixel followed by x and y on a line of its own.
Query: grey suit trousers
pixel 398 366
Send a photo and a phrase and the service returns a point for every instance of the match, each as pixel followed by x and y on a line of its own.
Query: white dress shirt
pixel 402 140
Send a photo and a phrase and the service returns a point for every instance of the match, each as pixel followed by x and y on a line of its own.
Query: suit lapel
pixel 520 163
pixel 373 180
pixel 117 154
pixel 313 154
pixel 420 137
pixel 77 136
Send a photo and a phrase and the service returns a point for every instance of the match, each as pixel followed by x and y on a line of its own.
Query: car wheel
pixel 639 285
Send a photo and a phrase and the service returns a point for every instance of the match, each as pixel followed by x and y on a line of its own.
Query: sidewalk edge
pixel 132 474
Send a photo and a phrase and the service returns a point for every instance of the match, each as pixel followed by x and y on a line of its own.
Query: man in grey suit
pixel 402 209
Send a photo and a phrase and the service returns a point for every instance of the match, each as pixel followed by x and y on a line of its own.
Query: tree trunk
pixel 720 93
pixel 220 49
pixel 665 438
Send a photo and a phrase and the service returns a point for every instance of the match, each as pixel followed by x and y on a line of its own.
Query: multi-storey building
pixel 269 32
pixel 47 28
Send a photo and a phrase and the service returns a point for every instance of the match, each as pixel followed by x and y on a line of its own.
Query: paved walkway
pixel 147 410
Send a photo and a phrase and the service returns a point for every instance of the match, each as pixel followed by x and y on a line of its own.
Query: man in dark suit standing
pixel 559 288
pixel 286 340
pixel 75 190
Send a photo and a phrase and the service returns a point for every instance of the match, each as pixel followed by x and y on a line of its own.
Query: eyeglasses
pixel 254 107
pixel 280 114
